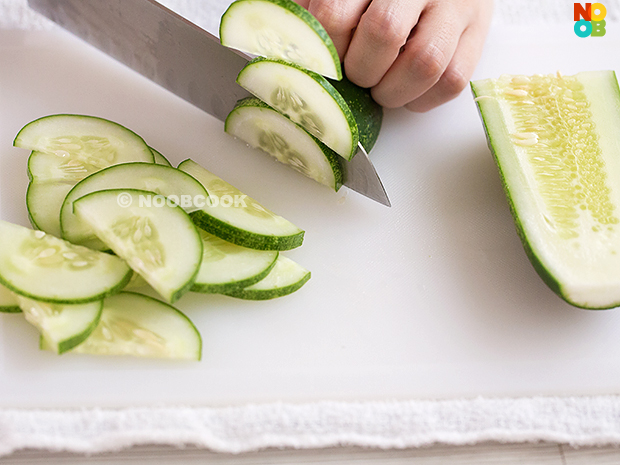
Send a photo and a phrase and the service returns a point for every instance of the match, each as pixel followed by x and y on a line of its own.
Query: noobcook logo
pixel 590 20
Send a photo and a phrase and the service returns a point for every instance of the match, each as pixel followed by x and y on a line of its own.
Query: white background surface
pixel 432 298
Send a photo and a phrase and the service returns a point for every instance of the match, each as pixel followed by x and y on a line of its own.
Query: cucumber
pixel 158 240
pixel 138 325
pixel 226 266
pixel 307 98
pixel 285 278
pixel 555 142
pixel 159 159
pixel 62 326
pixel 44 268
pixel 66 149
pixel 368 114
pixel 251 226
pixel 162 180
pixel 8 301
pixel 259 125
pixel 280 29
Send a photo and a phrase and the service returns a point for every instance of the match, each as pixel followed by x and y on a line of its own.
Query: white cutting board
pixel 432 298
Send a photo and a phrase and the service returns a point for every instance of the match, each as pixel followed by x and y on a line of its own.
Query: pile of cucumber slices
pixel 304 112
pixel 111 214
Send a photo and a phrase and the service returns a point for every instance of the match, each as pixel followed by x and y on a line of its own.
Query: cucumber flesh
pixel 162 180
pixel 280 29
pixel 285 278
pixel 158 241
pixel 226 266
pixel 259 125
pixel 138 325
pixel 62 326
pixel 8 301
pixel 556 145
pixel 44 268
pixel 307 98
pixel 66 149
pixel 43 201
pixel 251 226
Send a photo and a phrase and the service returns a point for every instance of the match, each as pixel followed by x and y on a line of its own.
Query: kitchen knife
pixel 181 57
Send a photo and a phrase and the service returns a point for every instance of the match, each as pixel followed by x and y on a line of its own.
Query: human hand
pixel 412 53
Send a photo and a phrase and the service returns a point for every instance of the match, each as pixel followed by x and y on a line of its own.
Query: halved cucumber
pixel 8 301
pixel 259 125
pixel 285 278
pixel 62 326
pixel 66 149
pixel 42 267
pixel 555 140
pixel 138 325
pixel 368 114
pixel 246 223
pixel 226 266
pixel 280 29
pixel 159 158
pixel 307 98
pixel 163 180
pixel 157 239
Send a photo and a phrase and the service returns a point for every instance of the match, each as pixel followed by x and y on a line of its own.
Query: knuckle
pixel 385 28
pixel 333 15
pixel 454 81
pixel 429 62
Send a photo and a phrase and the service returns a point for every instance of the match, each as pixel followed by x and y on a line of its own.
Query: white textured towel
pixel 579 421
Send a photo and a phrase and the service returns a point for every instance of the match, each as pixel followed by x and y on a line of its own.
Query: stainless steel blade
pixel 181 57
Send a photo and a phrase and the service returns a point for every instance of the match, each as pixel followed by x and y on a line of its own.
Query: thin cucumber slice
pixel 138 325
pixel 307 98
pixel 368 114
pixel 285 278
pixel 43 201
pixel 159 158
pixel 90 142
pixel 8 301
pixel 280 29
pixel 66 149
pixel 555 140
pixel 226 266
pixel 62 326
pixel 158 240
pixel 162 180
pixel 42 267
pixel 247 223
pixel 259 125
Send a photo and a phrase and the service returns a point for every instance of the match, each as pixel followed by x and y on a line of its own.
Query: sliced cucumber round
pixel 226 266
pixel 43 201
pixel 368 114
pixel 280 29
pixel 285 278
pixel 307 98
pixel 246 223
pixel 157 239
pixel 138 325
pixel 555 140
pixel 8 301
pixel 162 180
pixel 159 158
pixel 62 326
pixel 42 267
pixel 259 125
pixel 66 149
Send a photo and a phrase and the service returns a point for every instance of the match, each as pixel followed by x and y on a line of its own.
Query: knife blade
pixel 181 57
